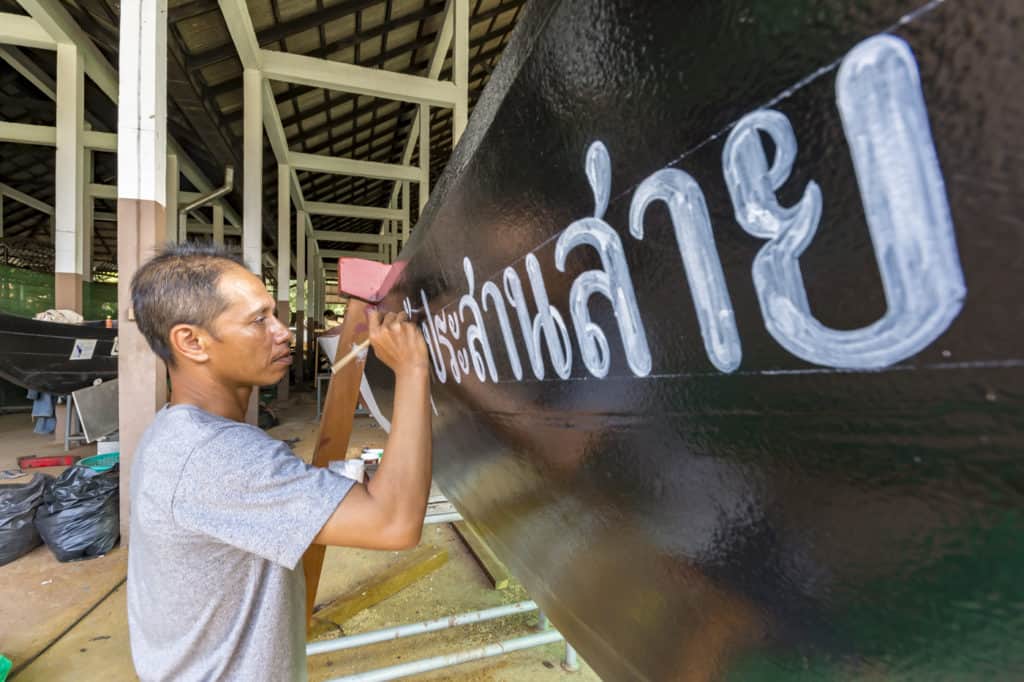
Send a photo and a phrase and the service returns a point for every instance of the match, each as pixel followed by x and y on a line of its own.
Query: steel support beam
pixel 174 233
pixel 17 29
pixel 352 211
pixel 358 80
pixel 348 237
pixel 252 193
pixel 59 24
pixel 334 254
pixel 336 166
pixel 460 69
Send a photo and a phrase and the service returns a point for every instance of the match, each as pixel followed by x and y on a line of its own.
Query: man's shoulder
pixel 186 424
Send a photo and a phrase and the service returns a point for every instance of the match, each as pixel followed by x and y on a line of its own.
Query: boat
pixel 723 313
pixel 53 357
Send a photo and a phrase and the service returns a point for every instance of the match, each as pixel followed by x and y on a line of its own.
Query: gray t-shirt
pixel 221 514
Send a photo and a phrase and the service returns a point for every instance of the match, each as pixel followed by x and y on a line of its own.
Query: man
pixel 221 512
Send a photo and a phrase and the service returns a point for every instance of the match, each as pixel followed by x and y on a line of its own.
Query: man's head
pixel 199 308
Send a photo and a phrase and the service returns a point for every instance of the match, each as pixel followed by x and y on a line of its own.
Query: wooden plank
pixel 485 556
pixel 329 620
pixel 336 428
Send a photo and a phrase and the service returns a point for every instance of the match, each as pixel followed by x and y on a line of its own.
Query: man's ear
pixel 189 342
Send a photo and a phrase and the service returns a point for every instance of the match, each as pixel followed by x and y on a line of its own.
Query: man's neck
pixel 210 396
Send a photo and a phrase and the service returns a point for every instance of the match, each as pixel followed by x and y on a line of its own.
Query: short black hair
pixel 179 286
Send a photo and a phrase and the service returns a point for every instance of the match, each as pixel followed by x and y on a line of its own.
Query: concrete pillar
pixel 460 69
pixel 141 214
pixel 284 251
pixel 174 234
pixel 300 296
pixel 218 224
pixel 70 179
pixel 252 190
pixel 424 157
pixel 1 216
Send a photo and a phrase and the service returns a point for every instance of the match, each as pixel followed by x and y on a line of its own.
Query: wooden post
pixel 336 426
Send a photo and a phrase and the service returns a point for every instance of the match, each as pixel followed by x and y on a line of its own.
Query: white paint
pixel 886 124
pixel 476 332
pixel 613 281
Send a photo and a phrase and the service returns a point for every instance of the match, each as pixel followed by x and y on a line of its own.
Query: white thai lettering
pixel 613 280
pixel 696 243
pixel 886 123
pixel 476 333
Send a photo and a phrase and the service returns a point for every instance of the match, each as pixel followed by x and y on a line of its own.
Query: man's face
pixel 249 345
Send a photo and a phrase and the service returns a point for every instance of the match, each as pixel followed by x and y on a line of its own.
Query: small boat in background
pixel 57 358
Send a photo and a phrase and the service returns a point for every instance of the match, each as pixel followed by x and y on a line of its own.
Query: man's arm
pixel 387 513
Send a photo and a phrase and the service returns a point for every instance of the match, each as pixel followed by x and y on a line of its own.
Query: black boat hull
pixel 55 358
pixel 809 467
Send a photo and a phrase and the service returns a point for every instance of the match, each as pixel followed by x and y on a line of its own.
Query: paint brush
pixel 370 282
pixel 360 348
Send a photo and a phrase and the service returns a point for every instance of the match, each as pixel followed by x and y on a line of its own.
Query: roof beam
pixel 27 133
pixel 352 211
pixel 337 166
pixel 349 237
pixel 22 198
pixel 282 30
pixel 360 80
pixel 330 254
pixel 17 29
pixel 56 21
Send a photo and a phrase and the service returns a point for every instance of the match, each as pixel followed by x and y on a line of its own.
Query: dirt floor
pixel 67 621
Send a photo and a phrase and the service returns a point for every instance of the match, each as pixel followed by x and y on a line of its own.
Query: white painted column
pixel 141 215
pixel 284 237
pixel 300 295
pixel 406 227
pixel 311 273
pixel 70 179
pixel 460 69
pixel 173 187
pixel 284 251
pixel 88 220
pixel 218 224
pixel 252 190
pixel 300 260
pixel 424 156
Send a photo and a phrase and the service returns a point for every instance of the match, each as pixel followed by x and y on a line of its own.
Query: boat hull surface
pixel 761 417
pixel 55 358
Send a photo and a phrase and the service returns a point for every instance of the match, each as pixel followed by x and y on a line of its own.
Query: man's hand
pixel 396 342
pixel 387 513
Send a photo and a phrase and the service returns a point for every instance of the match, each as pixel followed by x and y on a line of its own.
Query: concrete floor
pixel 68 622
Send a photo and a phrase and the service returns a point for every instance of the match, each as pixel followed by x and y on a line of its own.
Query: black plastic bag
pixel 79 517
pixel 18 502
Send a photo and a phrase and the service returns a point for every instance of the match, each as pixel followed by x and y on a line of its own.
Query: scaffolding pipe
pixel 447 517
pixel 400 631
pixel 427 664
pixel 229 180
